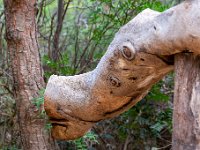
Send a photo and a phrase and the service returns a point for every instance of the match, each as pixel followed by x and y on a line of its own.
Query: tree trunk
pixel 27 73
pixel 186 117
pixel 56 50
pixel 62 9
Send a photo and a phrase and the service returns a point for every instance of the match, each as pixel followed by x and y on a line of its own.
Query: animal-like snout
pixel 63 111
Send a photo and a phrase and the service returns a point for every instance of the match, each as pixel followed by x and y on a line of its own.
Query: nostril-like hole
pixel 132 78
pixel 142 59
pixel 114 81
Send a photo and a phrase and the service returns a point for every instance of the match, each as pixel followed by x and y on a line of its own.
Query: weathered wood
pixel 140 55
pixel 186 114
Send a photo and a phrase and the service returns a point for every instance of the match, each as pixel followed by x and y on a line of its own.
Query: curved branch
pixel 139 56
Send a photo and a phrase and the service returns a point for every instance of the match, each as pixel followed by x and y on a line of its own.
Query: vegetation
pixel 72 41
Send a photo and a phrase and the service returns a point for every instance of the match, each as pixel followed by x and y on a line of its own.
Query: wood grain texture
pixel 186 115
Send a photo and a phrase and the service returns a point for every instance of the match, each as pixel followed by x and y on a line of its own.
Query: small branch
pixel 50 35
pixel 127 141
pixel 161 148
pixel 7 88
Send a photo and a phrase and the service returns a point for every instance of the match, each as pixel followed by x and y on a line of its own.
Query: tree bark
pixel 186 115
pixel 140 55
pixel 21 36
pixel 55 53
pixel 56 50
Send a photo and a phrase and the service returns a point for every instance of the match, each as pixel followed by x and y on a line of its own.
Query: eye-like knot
pixel 114 81
pixel 128 51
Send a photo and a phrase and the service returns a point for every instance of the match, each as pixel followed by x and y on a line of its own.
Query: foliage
pixel 38 102
pixel 84 142
pixel 60 67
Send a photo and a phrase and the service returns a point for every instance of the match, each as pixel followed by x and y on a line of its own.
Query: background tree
pixel 186 128
pixel 21 36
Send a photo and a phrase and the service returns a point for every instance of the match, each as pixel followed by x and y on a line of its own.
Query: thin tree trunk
pixel 56 51
pixel 186 117
pixel 27 73
pixel 62 9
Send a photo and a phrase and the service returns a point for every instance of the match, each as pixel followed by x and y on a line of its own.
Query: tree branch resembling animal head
pixel 139 56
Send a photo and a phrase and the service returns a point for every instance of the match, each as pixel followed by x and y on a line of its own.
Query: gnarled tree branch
pixel 139 56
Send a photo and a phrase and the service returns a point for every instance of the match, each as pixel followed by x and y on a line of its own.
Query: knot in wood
pixel 114 81
pixel 14 35
pixel 128 51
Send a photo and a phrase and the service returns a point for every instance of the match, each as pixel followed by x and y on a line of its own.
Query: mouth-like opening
pixel 64 129
pixel 58 122
pixel 167 59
